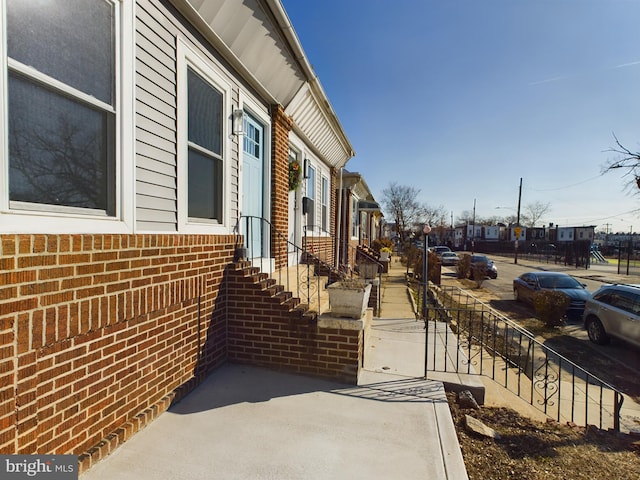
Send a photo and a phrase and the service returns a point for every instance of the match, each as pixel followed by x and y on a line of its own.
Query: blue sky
pixel 462 98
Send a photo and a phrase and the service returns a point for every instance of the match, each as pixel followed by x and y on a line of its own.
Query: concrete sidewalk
pixel 251 423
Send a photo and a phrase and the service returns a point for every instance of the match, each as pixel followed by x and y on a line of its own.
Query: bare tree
pixel 438 219
pixel 466 217
pixel 434 216
pixel 533 212
pixel 627 160
pixel 400 201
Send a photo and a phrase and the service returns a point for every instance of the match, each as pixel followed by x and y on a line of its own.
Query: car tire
pixel 596 331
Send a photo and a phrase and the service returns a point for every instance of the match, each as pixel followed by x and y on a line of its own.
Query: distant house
pixel 361 216
pixel 512 233
pixel 585 233
pixel 565 234
pixel 491 233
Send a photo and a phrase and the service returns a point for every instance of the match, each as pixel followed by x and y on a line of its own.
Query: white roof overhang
pixel 257 39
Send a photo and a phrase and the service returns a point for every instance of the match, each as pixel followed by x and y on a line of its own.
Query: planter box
pixel 349 298
pixel 368 270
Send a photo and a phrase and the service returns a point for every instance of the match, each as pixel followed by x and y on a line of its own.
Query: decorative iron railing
pixel 304 270
pixel 484 341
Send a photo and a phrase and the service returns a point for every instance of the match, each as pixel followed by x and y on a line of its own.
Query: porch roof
pixel 257 38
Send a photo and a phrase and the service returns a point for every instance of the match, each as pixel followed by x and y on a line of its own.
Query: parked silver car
pixel 449 258
pixel 614 311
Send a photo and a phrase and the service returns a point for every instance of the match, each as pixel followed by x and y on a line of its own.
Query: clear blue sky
pixel 461 98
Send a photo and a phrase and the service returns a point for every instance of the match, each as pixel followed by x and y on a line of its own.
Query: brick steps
pixel 277 292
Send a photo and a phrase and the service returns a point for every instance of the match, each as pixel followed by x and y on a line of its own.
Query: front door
pixel 254 228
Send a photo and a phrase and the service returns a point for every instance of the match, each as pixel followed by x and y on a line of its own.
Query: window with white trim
pixel 205 155
pixel 354 217
pixel 325 204
pixel 63 99
pixel 311 195
pixel 204 108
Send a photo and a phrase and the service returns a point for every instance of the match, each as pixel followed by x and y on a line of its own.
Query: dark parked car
pixel 614 311
pixel 528 284
pixel 483 260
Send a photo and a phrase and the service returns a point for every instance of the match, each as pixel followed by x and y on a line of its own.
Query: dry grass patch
pixel 531 450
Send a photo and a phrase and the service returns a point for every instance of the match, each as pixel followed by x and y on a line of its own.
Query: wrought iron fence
pixel 484 341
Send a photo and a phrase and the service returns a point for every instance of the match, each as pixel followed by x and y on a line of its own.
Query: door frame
pixel 261 116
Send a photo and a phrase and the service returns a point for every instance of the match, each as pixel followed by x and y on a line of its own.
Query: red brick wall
pixel 96 330
pixel 100 333
pixel 264 332
pixel 321 247
pixel 280 179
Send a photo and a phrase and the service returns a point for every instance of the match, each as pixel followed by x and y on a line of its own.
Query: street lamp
pixel 425 269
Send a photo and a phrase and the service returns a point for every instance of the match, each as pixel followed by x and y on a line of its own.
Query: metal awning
pixel 367 206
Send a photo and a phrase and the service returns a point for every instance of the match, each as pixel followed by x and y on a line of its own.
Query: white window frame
pixel 355 218
pixel 189 58
pixel 325 205
pixel 311 193
pixel 54 219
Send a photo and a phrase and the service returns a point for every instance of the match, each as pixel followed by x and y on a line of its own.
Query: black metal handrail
pixel 299 269
pixel 490 342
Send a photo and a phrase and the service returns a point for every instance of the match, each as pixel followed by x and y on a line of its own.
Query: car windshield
pixel 559 282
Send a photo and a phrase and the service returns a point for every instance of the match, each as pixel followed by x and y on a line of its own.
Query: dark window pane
pixel 324 218
pixel 205 114
pixel 60 151
pixel 311 214
pixel 205 188
pixel 69 40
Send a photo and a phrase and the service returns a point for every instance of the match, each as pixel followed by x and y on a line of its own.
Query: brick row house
pixel 361 216
pixel 147 147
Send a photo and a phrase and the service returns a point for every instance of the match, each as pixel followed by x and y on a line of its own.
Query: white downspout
pixel 338 227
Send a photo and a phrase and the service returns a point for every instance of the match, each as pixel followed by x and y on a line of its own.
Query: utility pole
pixel 473 228
pixel 452 232
pixel 518 229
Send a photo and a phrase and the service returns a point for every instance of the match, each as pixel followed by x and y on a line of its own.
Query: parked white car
pixel 449 258
pixel 614 311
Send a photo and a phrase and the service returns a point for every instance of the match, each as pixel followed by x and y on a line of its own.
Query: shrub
pixel 463 269
pixel 380 243
pixel 478 273
pixel 434 267
pixel 551 306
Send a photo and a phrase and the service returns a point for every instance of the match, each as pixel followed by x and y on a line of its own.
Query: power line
pixel 611 216
pixel 566 186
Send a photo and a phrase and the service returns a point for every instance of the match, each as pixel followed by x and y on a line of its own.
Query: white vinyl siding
pixel 161 188
pixel 156 183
